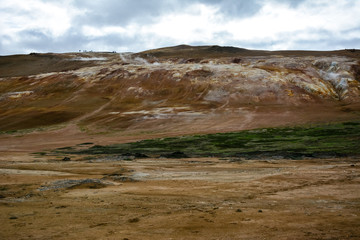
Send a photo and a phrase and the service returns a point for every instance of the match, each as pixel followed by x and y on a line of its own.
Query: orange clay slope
pixel 175 91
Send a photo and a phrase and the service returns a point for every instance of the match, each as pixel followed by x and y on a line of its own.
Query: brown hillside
pixel 178 90
pixel 219 51
pixel 36 63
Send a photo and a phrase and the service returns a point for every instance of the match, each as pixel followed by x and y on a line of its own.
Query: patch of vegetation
pixel 65 148
pixel 21 132
pixel 321 141
pixel 85 143
pixel 40 153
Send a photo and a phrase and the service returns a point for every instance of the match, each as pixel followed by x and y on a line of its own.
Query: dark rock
pixel 260 211
pixel 236 60
pixel 13 217
pixel 119 178
pixel 199 73
pixel 176 154
pixel 66 159
pixel 126 154
pixel 356 70
pixel 141 155
pixel 134 220
pixel 59 207
pixel 72 184
pixel 189 60
pixel 85 143
pixel 239 210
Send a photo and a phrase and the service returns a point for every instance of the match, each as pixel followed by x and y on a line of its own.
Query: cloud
pixel 50 17
pixel 129 25
pixel 238 9
pixel 117 13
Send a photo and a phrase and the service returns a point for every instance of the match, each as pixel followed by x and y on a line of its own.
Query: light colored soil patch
pixel 32 172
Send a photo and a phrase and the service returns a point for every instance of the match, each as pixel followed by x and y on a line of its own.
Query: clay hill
pixel 177 90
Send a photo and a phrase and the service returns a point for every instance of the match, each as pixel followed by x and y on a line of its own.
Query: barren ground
pixel 205 198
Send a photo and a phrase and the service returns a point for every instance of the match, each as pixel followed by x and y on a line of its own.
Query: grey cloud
pixel 32 35
pixel 113 12
pixel 246 8
pixel 239 9
pixel 40 42
pixel 115 42
pixel 328 44
pixel 145 12
pixel 291 3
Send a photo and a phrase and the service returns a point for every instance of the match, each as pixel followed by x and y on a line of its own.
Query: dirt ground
pixel 205 198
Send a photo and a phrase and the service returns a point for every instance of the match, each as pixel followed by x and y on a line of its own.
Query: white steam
pixel 128 58
pixel 332 72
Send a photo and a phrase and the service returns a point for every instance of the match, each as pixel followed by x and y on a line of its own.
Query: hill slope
pixel 178 90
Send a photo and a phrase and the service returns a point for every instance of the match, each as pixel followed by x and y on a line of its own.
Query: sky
pixel 137 25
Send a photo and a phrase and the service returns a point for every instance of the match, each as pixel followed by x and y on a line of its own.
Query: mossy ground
pixel 329 140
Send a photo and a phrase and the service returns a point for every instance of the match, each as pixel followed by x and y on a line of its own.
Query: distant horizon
pixel 113 51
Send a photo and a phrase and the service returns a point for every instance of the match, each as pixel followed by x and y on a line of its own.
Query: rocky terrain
pixel 293 175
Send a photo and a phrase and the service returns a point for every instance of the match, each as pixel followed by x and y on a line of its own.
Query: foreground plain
pixel 193 198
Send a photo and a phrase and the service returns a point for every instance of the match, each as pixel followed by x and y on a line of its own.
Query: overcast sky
pixel 135 25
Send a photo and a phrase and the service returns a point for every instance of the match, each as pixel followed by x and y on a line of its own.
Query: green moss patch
pixel 320 141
